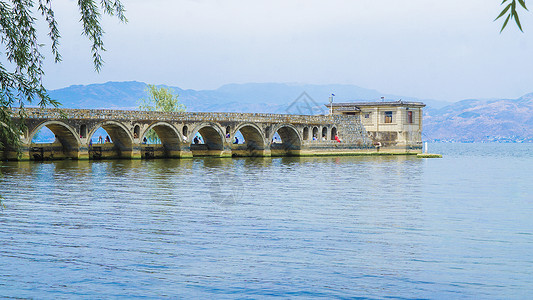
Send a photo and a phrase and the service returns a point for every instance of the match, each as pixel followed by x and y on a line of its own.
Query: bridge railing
pixel 99 114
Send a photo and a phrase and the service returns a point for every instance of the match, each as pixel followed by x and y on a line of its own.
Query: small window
pixel 83 131
pixel 136 131
pixel 333 133
pixel 410 117
pixel 367 115
pixel 315 133
pixel 306 133
pixel 388 117
pixel 185 130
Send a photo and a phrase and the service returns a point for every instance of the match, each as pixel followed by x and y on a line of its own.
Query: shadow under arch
pixel 171 142
pixel 254 141
pixel 66 144
pixel 213 138
pixel 8 150
pixel 121 145
pixel 290 144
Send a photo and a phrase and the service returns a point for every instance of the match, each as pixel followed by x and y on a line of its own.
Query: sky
pixel 444 50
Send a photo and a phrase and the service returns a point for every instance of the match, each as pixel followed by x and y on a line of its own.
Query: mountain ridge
pixel 469 120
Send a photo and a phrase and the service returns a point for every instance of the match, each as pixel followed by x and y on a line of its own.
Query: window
pixel 388 117
pixel 333 133
pixel 83 131
pixel 136 131
pixel 410 117
pixel 306 133
pixel 315 133
pixel 367 115
pixel 185 130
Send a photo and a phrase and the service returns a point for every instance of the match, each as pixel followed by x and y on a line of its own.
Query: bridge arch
pixel 64 134
pixel 170 137
pixel 315 133
pixel 213 138
pixel 255 142
pixel 291 141
pixel 306 133
pixel 121 138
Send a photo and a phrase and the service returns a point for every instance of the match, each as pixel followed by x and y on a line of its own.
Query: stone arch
pixel 291 141
pixel 333 132
pixel 170 139
pixel 136 131
pixel 324 132
pixel 315 133
pixel 213 140
pixel 185 131
pixel 64 134
pixel 306 133
pixel 255 141
pixel 120 136
pixel 83 131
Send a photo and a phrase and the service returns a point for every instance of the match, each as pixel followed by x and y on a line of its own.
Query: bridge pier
pixel 136 153
pixel 83 153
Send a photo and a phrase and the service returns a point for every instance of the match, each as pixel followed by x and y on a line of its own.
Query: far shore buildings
pixel 392 124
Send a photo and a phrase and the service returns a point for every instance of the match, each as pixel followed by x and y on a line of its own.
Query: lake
pixel 318 227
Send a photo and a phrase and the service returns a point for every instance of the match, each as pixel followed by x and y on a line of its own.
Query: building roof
pixel 356 105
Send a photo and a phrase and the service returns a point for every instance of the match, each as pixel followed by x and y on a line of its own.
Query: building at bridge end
pixel 392 125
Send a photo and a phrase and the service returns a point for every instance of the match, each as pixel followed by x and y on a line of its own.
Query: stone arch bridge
pixel 299 134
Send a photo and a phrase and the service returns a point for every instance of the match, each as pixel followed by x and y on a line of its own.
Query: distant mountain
pixel 249 97
pixel 111 95
pixel 464 121
pixel 502 120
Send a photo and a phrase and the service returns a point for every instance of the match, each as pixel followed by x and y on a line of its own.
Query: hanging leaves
pixel 511 12
pixel 21 70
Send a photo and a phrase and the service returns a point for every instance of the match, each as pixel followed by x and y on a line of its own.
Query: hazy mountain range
pixel 503 120
pixel 465 121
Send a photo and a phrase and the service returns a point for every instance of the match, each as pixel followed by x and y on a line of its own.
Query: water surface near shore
pixel 371 227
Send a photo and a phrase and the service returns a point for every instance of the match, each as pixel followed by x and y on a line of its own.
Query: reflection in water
pixel 329 227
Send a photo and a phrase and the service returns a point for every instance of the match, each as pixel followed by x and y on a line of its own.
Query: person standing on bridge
pixel 337 138
pixel 100 140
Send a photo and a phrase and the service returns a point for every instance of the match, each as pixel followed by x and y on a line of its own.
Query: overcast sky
pixel 446 50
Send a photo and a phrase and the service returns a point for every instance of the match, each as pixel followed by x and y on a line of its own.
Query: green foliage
pixel 21 72
pixel 510 11
pixel 160 99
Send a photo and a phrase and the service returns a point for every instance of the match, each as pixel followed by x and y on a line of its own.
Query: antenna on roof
pixel 331 104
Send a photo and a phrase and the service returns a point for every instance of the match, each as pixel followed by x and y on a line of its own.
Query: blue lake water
pixel 333 227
